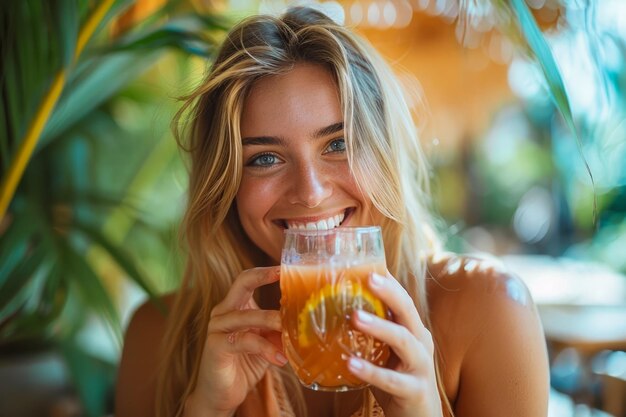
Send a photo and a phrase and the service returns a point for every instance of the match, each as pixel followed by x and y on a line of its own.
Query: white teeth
pixel 326 224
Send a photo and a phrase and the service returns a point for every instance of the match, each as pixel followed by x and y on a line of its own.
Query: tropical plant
pixel 73 180
pixel 580 129
pixel 515 20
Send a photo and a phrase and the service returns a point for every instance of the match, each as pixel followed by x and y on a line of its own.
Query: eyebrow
pixel 276 140
pixel 328 130
pixel 262 140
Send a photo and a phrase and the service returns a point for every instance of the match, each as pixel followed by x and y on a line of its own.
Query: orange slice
pixel 331 307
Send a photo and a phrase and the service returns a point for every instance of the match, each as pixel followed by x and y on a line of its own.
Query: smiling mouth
pixel 331 222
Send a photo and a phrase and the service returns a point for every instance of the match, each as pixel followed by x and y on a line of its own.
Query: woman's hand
pixel 242 341
pixel 410 381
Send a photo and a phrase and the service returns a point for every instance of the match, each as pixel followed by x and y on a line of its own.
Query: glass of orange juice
pixel 324 277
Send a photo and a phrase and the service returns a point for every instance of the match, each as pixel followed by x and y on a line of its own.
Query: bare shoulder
pixel 489 334
pixel 478 283
pixel 136 382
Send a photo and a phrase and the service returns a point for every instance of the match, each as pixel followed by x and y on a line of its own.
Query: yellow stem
pixel 29 142
pixel 91 25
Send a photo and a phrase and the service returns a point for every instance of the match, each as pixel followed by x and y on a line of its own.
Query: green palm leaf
pixel 46 297
pixel 65 16
pixel 191 42
pixel 36 125
pixel 46 283
pixel 19 286
pixel 85 90
pixel 90 288
pixel 121 258
pixel 552 75
pixel 92 377
pixel 14 245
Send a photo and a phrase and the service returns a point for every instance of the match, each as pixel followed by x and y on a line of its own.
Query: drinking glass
pixel 324 277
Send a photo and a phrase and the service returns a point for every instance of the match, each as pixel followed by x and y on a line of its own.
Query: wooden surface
pixel 582 305
pixel 589 329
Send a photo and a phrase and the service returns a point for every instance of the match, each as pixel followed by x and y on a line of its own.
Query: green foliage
pixel 542 54
pixel 74 210
pixel 96 376
pixel 571 142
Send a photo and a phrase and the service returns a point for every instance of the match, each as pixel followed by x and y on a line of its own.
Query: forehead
pixel 297 102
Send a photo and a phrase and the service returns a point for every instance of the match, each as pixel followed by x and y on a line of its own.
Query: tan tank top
pixel 270 399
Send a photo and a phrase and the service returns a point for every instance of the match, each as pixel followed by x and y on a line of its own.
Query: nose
pixel 311 186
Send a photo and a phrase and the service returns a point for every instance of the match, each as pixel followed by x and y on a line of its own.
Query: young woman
pixel 298 122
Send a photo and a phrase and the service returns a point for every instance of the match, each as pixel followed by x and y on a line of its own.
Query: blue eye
pixel 337 145
pixel 264 160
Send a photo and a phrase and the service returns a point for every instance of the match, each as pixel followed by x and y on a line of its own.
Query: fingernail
pixel 363 317
pixel 355 364
pixel 376 280
pixel 281 358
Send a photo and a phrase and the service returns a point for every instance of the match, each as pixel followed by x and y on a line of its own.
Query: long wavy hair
pixel 383 152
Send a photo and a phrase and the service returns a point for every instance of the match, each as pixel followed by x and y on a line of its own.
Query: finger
pixel 275 338
pixel 242 289
pixel 411 353
pixel 253 344
pixel 240 320
pixel 392 382
pixel 390 292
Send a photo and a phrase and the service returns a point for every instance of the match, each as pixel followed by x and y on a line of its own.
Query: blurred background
pixel 521 105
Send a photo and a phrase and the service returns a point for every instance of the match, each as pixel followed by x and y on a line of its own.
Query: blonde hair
pixel 383 153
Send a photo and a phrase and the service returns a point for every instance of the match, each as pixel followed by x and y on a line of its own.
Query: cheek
pixel 254 199
pixel 245 204
pixel 348 183
pixel 369 214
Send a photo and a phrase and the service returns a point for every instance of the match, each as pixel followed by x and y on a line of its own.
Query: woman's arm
pixel 136 381
pixel 504 371
pixel 494 360
pixel 242 342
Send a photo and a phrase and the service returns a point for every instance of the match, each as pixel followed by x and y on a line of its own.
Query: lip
pixel 347 212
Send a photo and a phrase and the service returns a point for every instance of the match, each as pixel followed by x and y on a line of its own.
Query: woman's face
pixel 295 168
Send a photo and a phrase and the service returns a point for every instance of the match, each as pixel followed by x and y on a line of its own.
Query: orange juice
pixel 318 337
